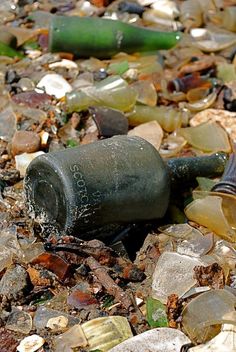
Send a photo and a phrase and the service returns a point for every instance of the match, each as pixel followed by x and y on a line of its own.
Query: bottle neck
pixel 183 171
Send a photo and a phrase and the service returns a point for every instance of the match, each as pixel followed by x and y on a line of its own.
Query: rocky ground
pixel 170 283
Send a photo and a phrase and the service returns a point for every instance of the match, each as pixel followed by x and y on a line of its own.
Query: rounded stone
pixel 25 142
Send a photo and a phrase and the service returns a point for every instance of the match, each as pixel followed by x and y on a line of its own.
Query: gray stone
pixel 14 282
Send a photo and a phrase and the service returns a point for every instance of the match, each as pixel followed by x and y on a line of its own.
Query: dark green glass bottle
pixel 117 180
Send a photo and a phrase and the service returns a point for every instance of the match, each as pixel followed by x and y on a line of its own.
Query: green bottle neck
pixel 184 170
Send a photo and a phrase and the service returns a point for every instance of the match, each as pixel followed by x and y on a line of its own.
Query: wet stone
pixel 14 282
pixel 25 142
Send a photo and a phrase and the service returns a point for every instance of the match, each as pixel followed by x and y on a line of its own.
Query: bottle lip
pixel 49 193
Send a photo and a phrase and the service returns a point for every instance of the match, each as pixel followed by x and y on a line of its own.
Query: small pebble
pixel 57 323
pixel 30 343
pixel 25 142
pixel 26 84
pixel 54 84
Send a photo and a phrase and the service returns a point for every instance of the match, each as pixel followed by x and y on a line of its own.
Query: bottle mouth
pixel 45 194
